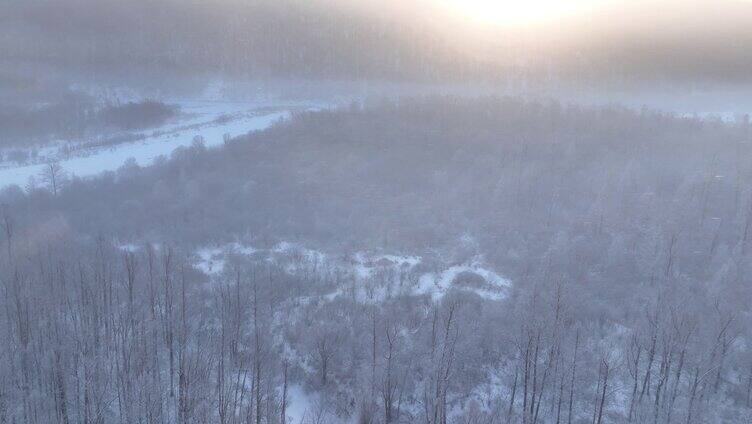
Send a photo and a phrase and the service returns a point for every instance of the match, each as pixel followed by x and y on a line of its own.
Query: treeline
pixel 75 117
pixel 414 173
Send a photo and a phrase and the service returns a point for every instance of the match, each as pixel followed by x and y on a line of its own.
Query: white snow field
pixel 210 120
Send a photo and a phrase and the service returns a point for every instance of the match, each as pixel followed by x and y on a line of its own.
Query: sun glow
pixel 521 12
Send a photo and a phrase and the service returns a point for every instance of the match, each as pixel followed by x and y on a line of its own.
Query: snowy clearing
pixel 375 276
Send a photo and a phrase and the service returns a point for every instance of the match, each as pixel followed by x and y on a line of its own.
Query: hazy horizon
pixel 628 42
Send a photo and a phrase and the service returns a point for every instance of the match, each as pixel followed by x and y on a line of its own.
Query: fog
pixel 344 211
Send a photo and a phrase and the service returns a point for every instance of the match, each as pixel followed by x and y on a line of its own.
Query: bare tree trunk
pixel 283 412
pixel 514 391
pixel 560 398
pixel 388 385
pixel 606 371
pixel 748 399
pixel 373 352
pixel 678 375
pixel 574 372
pixel 693 394
pixel 651 356
pixel 257 353
pixel 635 372
pixel 526 376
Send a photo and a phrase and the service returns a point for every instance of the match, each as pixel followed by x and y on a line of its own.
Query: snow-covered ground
pixel 303 407
pixel 374 276
pixel 491 284
pixel 210 120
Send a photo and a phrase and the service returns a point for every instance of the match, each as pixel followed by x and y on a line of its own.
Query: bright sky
pixel 521 12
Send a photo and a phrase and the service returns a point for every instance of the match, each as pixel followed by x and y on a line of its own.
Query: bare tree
pixel 53 175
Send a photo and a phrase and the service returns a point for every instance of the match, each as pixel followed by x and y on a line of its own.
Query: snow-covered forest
pixel 486 260
pixel 337 212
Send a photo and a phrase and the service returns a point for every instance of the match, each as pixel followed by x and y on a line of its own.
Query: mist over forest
pixel 348 212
